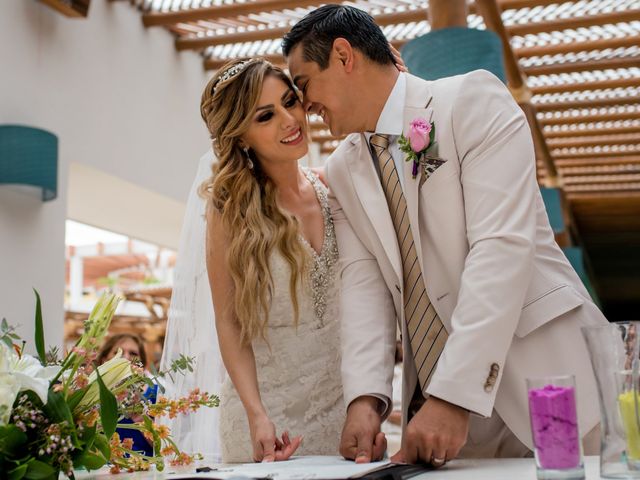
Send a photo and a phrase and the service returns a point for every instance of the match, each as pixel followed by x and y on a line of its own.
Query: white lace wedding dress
pixel 299 371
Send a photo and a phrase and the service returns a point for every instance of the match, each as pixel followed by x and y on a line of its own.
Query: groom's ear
pixel 343 52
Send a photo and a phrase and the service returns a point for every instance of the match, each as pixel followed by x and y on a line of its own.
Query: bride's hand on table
pixel 267 447
pixel 287 447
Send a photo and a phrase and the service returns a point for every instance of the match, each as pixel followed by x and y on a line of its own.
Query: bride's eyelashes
pixel 291 101
pixel 265 117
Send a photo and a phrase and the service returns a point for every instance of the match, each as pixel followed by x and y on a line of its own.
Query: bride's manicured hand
pixel 398 59
pixel 287 447
pixel 263 438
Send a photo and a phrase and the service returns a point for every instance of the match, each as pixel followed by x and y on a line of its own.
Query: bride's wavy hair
pixel 246 198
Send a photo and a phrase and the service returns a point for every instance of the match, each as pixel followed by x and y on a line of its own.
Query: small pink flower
pixel 419 130
pixel 79 351
pixel 81 380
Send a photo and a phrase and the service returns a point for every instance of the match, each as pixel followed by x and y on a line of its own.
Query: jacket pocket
pixel 550 305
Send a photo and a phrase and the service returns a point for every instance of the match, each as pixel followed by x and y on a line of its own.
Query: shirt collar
pixel 390 120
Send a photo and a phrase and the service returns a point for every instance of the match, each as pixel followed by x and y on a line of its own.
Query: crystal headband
pixel 230 73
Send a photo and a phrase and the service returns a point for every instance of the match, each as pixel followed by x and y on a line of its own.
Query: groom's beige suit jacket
pixel 503 289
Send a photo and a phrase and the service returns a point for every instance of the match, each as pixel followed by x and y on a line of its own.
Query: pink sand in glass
pixel 554 423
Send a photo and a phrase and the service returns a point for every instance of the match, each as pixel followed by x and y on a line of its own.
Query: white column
pixel 76 281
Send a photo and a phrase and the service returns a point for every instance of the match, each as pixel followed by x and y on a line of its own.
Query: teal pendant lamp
pixel 29 156
pixel 454 51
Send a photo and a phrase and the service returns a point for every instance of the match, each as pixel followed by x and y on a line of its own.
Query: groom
pixel 455 247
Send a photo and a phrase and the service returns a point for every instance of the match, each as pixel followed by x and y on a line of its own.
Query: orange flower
pixel 162 430
pixel 182 459
pixel 81 380
pixel 92 418
pixel 167 450
pixel 115 441
pixel 148 436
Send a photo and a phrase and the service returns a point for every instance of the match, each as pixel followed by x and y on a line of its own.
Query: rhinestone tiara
pixel 230 73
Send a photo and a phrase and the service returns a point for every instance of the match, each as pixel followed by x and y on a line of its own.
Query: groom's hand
pixel 435 434
pixel 362 439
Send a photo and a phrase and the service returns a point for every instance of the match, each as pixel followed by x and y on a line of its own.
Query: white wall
pixel 121 101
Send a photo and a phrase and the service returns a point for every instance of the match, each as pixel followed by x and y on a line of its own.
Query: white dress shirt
pixel 390 123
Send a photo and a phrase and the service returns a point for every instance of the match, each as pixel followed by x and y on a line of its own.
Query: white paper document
pixel 298 468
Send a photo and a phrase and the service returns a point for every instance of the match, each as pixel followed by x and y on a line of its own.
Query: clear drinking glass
pixel 628 407
pixel 554 426
pixel 614 351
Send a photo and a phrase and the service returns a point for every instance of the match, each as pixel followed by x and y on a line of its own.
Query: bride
pixel 271 258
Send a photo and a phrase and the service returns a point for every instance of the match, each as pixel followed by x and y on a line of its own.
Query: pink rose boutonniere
pixel 420 141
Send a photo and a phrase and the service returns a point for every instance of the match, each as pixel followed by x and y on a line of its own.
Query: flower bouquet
pixel 60 415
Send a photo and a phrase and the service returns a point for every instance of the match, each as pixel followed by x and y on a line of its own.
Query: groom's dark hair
pixel 319 28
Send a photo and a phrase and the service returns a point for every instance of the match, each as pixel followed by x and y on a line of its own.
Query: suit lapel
pixel 369 192
pixel 417 104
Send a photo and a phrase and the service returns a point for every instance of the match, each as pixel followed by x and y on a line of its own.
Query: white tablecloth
pixel 499 469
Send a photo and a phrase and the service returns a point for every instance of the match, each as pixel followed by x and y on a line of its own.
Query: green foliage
pixel 181 365
pixel 39 334
pixel 73 428
pixel 108 408
pixel 8 334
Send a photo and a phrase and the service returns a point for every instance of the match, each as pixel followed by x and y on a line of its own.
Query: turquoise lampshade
pixel 29 156
pixel 454 51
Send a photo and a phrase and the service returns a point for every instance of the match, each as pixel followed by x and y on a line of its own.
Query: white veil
pixel 191 330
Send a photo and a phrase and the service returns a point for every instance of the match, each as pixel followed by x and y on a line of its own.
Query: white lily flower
pixel 9 388
pixel 112 372
pixel 20 373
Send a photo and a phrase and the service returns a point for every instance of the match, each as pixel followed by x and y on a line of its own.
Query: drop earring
pixel 249 161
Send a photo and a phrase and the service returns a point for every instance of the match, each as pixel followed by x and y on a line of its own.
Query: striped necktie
pixel 427 334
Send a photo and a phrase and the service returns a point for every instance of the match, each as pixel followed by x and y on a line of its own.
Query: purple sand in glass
pixel 554 423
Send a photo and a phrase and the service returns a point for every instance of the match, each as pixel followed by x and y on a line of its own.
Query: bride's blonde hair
pixel 246 198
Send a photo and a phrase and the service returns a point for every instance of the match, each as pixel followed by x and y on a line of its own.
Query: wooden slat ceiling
pixel 581 61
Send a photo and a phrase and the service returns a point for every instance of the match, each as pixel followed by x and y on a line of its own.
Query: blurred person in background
pixel 132 348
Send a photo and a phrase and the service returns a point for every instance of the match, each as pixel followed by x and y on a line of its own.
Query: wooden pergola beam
pixel 580 156
pixel 575 47
pixel 213 63
pixel 577 104
pixel 614 187
pixel 596 179
pixel 588 132
pixel 573 23
pixel 70 8
pixel 197 43
pixel 492 16
pixel 589 118
pixel 602 169
pixel 586 86
pixel 277 59
pixel 602 161
pixel 222 11
pixel 587 66
pixel 594 141
pixel 151 19
pixel 216 63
